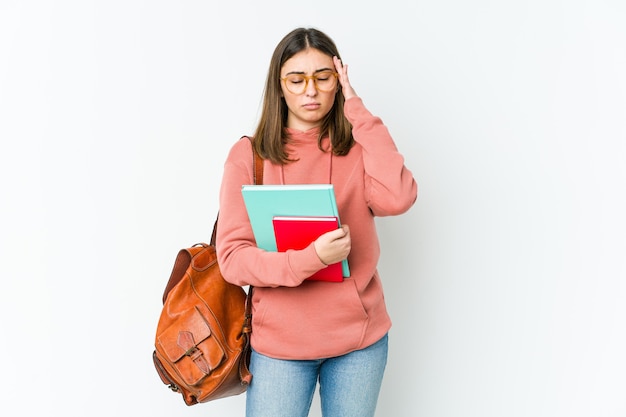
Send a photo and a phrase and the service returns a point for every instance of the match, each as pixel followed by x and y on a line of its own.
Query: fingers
pixel 334 246
pixel 339 233
pixel 342 70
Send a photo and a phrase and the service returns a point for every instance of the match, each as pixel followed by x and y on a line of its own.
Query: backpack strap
pixel 257 168
pixel 257 163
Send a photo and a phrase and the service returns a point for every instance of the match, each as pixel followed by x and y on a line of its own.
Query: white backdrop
pixel 505 281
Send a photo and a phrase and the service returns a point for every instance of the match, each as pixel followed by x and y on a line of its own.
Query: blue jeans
pixel 349 384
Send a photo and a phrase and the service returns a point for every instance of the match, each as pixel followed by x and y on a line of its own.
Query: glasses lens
pixel 325 81
pixel 296 83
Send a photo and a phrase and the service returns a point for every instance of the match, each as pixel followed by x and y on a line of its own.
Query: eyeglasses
pixel 324 81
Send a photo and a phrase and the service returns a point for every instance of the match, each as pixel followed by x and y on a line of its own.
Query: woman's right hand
pixel 334 246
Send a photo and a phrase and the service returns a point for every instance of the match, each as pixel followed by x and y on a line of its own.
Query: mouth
pixel 311 106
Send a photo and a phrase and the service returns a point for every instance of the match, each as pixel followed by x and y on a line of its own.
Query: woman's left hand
pixel 342 70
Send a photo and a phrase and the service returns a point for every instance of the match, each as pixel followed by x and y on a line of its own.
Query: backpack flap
pixel 191 350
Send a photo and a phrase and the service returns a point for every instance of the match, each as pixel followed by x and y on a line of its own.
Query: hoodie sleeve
pixel 390 188
pixel 241 261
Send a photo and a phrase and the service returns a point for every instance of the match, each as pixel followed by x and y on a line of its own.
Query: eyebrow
pixel 303 73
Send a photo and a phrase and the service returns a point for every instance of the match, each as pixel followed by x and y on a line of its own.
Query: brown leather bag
pixel 202 345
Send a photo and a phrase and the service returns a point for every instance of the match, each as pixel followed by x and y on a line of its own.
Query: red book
pixel 297 232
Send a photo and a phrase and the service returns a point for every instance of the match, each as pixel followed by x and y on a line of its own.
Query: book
pixel 264 202
pixel 297 232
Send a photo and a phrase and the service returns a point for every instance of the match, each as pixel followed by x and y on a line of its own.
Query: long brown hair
pixel 271 133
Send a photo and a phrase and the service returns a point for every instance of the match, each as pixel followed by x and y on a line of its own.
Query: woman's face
pixel 307 110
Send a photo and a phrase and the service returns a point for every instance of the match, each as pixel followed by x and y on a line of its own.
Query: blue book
pixel 264 202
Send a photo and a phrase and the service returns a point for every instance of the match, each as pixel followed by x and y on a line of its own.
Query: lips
pixel 311 106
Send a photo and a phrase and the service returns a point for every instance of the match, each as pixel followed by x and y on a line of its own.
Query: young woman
pixel 315 129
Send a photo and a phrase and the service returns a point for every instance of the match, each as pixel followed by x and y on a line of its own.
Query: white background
pixel 505 282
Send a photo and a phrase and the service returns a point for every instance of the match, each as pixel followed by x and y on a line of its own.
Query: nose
pixel 310 89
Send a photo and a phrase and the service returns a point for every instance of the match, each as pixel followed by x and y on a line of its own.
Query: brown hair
pixel 271 133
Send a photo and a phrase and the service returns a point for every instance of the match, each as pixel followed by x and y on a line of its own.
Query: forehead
pixel 307 61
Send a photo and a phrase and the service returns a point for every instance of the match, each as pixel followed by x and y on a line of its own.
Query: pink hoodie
pixel 297 319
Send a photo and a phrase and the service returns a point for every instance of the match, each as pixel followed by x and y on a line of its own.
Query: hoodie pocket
pixel 314 320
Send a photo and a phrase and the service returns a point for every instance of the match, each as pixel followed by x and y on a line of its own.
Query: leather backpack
pixel 202 343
